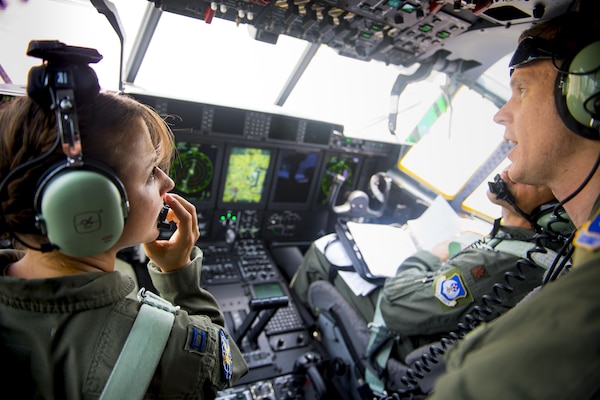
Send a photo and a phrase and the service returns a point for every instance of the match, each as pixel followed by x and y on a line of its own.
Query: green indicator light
pixel 234 218
pixel 376 27
pixel 425 28
pixel 408 8
pixel 222 218
pixel 443 34
pixel 365 35
pixel 394 3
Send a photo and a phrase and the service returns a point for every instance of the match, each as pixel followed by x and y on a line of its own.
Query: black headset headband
pixel 65 67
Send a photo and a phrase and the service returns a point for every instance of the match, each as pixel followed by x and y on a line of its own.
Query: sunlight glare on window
pixel 458 143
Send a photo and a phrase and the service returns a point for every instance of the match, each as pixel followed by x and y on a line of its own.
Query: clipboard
pixel 377 250
pixel 354 253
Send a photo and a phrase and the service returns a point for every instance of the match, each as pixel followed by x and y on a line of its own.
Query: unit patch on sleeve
pixel 225 355
pixel 588 236
pixel 450 289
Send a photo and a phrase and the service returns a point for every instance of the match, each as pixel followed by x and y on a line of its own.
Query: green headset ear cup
pixel 560 224
pixel 81 210
pixel 581 88
pixel 576 96
pixel 553 220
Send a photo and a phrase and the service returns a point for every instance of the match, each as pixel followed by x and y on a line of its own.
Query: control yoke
pixel 356 204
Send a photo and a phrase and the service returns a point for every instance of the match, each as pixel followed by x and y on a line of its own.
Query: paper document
pixel 385 247
pixel 438 223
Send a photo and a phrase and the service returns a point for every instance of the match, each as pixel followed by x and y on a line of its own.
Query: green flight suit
pixel 548 347
pixel 412 304
pixel 60 337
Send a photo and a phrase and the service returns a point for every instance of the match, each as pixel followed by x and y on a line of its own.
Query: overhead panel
pixel 396 32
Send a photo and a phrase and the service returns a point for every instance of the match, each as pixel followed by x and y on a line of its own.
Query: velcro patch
pixel 225 356
pixel 450 290
pixel 588 236
pixel 479 272
pixel 197 339
pixel 594 226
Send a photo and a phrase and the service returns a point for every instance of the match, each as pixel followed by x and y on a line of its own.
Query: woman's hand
pixel 172 254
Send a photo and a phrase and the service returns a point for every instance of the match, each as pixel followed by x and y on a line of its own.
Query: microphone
pixel 499 188
pixel 163 224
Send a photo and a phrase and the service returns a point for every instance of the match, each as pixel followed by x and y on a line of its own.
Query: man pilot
pixel 412 303
pixel 548 346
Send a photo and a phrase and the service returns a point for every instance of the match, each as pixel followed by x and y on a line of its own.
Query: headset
pixel 577 92
pixel 550 218
pixel 81 206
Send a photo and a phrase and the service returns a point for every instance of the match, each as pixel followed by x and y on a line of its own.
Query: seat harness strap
pixel 142 350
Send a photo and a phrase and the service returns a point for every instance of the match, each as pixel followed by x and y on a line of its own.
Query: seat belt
pixel 378 349
pixel 142 350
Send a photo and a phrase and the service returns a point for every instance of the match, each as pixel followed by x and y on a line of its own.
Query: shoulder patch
pixel 225 356
pixel 479 272
pixel 594 225
pixel 450 290
pixel 588 236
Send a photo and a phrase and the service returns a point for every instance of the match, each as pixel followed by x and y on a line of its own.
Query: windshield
pixel 221 63
pixel 454 142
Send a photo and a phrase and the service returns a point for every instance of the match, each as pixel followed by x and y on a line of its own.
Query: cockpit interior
pixel 305 113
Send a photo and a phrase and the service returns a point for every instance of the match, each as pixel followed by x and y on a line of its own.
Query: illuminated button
pixel 409 8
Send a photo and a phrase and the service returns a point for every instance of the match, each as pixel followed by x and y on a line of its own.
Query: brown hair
pixel 29 132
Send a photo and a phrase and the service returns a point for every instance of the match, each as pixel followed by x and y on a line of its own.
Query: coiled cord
pixel 489 305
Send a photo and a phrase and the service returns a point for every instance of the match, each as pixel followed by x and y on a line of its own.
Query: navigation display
pixel 345 165
pixel 193 170
pixel 247 169
pixel 295 175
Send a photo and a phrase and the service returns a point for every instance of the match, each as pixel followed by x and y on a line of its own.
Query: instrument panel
pixel 259 309
pixel 260 180
pixel 257 175
pixel 397 32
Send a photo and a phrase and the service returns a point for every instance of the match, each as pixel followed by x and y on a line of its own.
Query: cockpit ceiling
pixel 395 32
